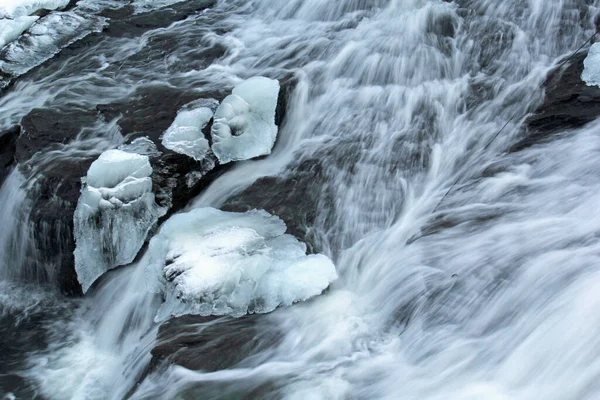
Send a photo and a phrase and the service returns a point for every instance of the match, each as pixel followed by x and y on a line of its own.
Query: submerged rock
pixel 211 343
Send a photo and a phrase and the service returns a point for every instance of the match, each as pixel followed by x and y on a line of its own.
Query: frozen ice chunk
pixel 244 124
pixel 46 38
pixel 142 145
pixel 10 29
pixel 591 66
pixel 211 262
pixel 114 214
pixel 185 134
pixel 19 8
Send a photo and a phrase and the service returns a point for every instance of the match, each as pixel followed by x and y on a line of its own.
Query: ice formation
pixel 185 134
pixel 47 37
pixel 16 18
pixel 591 66
pixel 114 214
pixel 211 262
pixel 18 8
pixel 244 124
pixel 10 29
pixel 142 145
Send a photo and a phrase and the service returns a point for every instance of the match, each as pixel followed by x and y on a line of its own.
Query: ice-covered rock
pixel 591 66
pixel 10 29
pixel 114 214
pixel 46 38
pixel 18 8
pixel 212 262
pixel 185 134
pixel 244 124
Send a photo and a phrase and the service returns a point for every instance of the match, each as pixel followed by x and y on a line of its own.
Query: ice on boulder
pixel 46 38
pixel 114 213
pixel 211 262
pixel 10 29
pixel 18 8
pixel 244 124
pixel 591 66
pixel 185 134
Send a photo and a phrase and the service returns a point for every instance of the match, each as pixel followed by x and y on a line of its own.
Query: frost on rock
pixel 244 124
pixel 211 262
pixel 185 134
pixel 115 211
pixel 591 66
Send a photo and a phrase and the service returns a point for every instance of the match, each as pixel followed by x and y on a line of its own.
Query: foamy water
pixel 492 296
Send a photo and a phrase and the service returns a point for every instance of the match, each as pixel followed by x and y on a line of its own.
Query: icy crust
pixel 11 29
pixel 244 124
pixel 114 213
pixel 211 262
pixel 591 66
pixel 46 38
pixel 16 18
pixel 17 8
pixel 142 145
pixel 185 134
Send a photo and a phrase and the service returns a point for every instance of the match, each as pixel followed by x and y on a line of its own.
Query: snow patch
pixel 114 214
pixel 211 262
pixel 244 124
pixel 591 66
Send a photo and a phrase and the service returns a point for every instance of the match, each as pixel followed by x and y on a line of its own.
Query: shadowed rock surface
pixel 210 343
pixel 569 104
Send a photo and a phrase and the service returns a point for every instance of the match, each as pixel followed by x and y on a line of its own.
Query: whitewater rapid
pixel 493 294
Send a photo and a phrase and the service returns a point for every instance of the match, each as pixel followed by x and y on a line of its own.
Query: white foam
pixel 185 134
pixel 244 125
pixel 211 262
pixel 114 214
pixel 591 66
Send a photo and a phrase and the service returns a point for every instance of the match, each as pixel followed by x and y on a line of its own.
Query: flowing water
pixel 493 294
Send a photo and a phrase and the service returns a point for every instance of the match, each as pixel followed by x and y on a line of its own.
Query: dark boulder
pixel 568 104
pixel 211 343
pixel 8 148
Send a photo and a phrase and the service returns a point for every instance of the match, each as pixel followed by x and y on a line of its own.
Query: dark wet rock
pixel 43 128
pixel 212 344
pixel 151 110
pixel 569 104
pixel 128 24
pixel 296 198
pixel 54 185
pixel 8 148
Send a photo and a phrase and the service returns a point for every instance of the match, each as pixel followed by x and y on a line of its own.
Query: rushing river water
pixel 493 294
